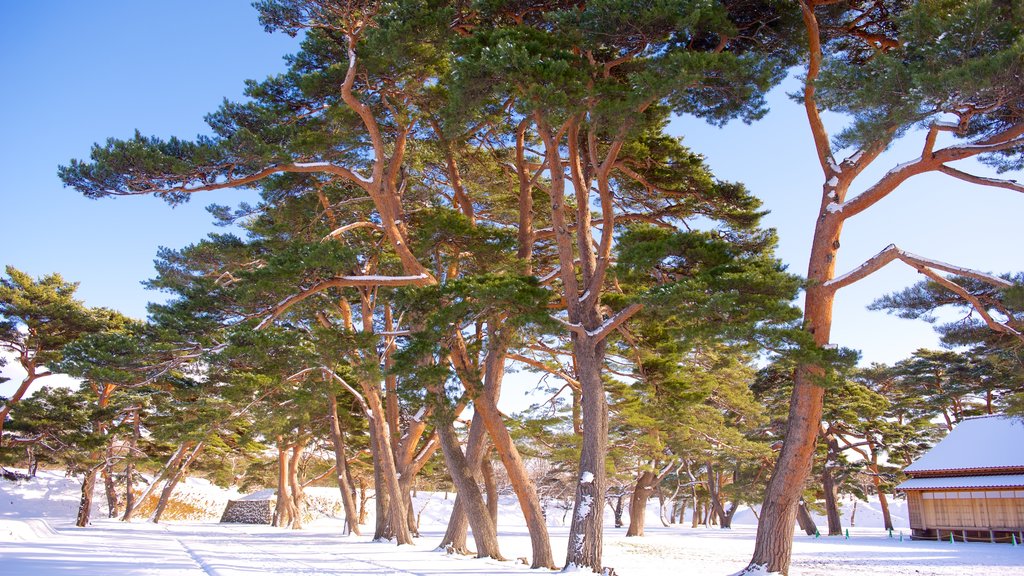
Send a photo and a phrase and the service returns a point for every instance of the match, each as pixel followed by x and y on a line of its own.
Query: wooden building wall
pixel 1000 510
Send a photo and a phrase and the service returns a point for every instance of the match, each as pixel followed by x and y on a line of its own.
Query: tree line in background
pixel 448 189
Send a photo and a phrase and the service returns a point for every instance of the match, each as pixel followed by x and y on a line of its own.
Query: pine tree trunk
pixel 179 473
pixel 883 502
pixel 485 405
pixel 638 503
pixel 389 496
pixel 363 499
pixel 804 519
pixel 617 510
pixel 484 533
pixel 295 486
pixel 490 488
pixel 341 466
pixel 171 464
pixel 282 512
pixel 454 540
pixel 774 541
pixel 828 486
pixel 129 472
pixel 109 488
pixel 586 537
pixel 85 503
pixel 695 521
pixel 715 496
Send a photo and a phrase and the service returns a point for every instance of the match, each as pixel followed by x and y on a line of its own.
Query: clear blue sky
pixel 78 72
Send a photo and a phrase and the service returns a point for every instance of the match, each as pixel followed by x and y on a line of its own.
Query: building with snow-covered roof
pixel 970 486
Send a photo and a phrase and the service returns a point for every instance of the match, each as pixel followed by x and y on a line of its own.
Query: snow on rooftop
pixel 984 442
pixel 995 481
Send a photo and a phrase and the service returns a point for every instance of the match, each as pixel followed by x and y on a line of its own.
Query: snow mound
pixel 25 530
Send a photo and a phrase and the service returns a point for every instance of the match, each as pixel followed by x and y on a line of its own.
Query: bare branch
pixel 982 180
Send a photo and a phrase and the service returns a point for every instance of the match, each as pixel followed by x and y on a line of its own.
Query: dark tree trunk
pixel 805 520
pixel 617 510
pixel 830 488
pixel 490 488
pixel 85 503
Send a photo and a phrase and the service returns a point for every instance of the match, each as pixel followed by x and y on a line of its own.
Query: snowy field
pixel 37 538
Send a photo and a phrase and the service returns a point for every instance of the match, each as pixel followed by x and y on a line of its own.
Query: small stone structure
pixel 255 508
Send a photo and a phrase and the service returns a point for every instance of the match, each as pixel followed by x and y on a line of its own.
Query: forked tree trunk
pixel 171 464
pixel 484 533
pixel 454 540
pixel 396 525
pixel 617 510
pixel 179 473
pixel 485 405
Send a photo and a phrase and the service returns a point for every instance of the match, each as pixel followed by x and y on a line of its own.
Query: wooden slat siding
pixel 999 510
pixel 915 504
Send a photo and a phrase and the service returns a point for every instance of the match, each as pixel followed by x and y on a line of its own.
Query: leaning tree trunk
pixel 179 473
pixel 804 519
pixel 883 502
pixel 85 503
pixel 172 464
pixel 454 539
pixel 638 503
pixel 341 466
pixel 485 404
pixel 484 533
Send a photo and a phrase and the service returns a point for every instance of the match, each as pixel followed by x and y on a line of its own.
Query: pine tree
pixel 892 66
pixel 38 317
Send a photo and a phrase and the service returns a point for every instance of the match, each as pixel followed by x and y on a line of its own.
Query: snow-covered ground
pixel 37 538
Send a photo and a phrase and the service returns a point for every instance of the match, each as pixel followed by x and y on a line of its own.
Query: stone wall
pixel 248 512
